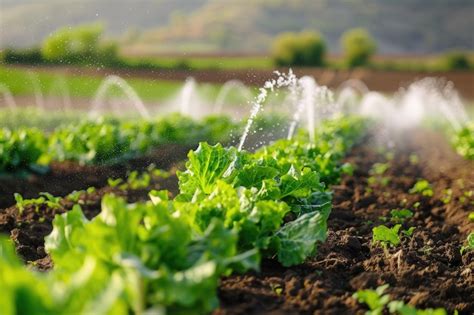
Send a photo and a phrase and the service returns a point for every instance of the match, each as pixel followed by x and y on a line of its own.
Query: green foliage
pixel 358 46
pixel 45 198
pixel 399 216
pixel 423 187
pixel 80 44
pixel 469 243
pixel 20 149
pixel 386 236
pixel 471 216
pixel 377 302
pixel 463 141
pixel 456 60
pixel 303 49
pixel 168 254
pixel 104 141
pixel 27 56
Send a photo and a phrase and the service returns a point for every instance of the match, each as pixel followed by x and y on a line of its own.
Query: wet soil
pixel 28 228
pixel 65 177
pixel 426 270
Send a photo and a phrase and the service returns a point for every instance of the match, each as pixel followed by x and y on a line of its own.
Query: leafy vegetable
pixel 422 187
pixel 377 302
pixel 401 215
pixel 469 243
pixel 386 236
pixel 463 141
pixel 166 255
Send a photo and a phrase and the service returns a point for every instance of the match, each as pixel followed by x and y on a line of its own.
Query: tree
pixel 358 46
pixel 299 49
pixel 456 60
pixel 77 44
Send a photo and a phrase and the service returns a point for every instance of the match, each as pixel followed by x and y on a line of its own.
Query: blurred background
pixel 58 52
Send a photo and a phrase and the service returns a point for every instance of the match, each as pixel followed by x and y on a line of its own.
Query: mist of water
pixel 224 92
pixel 282 80
pixel 185 96
pixel 39 97
pixel 99 100
pixel 7 96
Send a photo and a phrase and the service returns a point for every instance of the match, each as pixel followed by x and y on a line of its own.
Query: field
pixel 347 202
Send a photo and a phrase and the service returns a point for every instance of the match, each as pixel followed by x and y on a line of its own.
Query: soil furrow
pixel 426 270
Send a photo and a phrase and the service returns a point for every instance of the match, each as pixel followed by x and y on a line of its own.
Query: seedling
pixel 422 187
pixel 45 198
pixel 137 181
pixel 376 172
pixel 276 288
pixel 414 159
pixel 114 182
pixel 471 216
pixel 386 236
pixel 409 232
pixel 91 190
pixel 399 216
pixel 379 168
pixel 447 195
pixel 470 243
pixel 75 196
pixel 377 301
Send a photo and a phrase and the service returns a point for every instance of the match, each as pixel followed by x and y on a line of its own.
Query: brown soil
pixel 28 228
pixel 64 178
pixel 426 270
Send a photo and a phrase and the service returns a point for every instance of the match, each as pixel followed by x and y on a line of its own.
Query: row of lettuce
pixel 463 141
pixel 166 256
pixel 108 140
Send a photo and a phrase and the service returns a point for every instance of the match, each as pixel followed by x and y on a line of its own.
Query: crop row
pixel 108 140
pixel 463 141
pixel 166 255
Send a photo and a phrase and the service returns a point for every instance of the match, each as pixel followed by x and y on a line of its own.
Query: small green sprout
pixel 470 243
pixel 376 172
pixel 114 182
pixel 276 288
pixel 159 173
pixel 399 216
pixel 386 236
pixel 91 190
pixel 471 216
pixel 20 202
pixel 348 169
pixel 138 181
pixel 377 302
pixel 75 196
pixel 379 168
pixel 45 198
pixel 414 159
pixel 447 196
pixel 409 232
pixel 422 187
pixel 375 299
